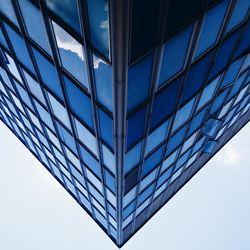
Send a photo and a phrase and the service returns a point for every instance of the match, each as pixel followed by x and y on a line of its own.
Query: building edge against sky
pixel 124 102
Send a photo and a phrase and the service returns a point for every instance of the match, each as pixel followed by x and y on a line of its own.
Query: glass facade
pixel 123 146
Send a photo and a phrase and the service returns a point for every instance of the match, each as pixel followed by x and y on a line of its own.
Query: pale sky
pixel 212 211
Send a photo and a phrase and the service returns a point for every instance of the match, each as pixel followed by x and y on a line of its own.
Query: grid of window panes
pixel 180 105
pixel 56 95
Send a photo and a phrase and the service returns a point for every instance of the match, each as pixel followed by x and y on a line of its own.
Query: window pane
pixel 34 24
pixel 139 79
pixel 71 53
pixel 67 11
pixel 99 25
pixel 132 158
pixel 239 13
pixel 103 81
pixel 211 27
pixel 79 102
pixel 48 74
pixel 20 48
pixel 183 114
pixel 174 55
pixel 7 9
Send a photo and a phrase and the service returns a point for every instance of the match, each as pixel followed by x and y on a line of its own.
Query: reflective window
pixel 239 13
pixel 109 159
pixel 86 137
pixel 79 102
pixel 168 161
pixel 183 114
pixel 48 74
pixel 20 48
pixel 110 181
pixel 2 40
pixel 103 81
pixel 34 24
pixel 132 158
pixel 13 68
pixel 99 25
pixel 148 179
pixel 189 142
pixel 67 11
pixel 34 87
pixel 208 92
pixel 71 53
pixel 211 27
pixel 6 79
pixel 224 109
pixel 59 111
pixel 156 137
pixel 7 9
pixel 164 103
pixel 174 55
pixel 209 146
pixel 211 127
pixel 139 79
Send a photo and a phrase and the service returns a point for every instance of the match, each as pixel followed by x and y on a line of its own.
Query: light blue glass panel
pixel 109 159
pixel 59 111
pixel 71 53
pixel 86 137
pixel 139 79
pixel 132 158
pixel 224 109
pixel 129 196
pixel 20 48
pixel 6 79
pixel 211 127
pixel 34 87
pixel 189 142
pixel 67 11
pixel 183 114
pixel 239 13
pixel 148 179
pixel 211 27
pixel 79 102
pixel 7 9
pixel 48 74
pixel 208 92
pixel 174 55
pixel 34 24
pixel 99 25
pixel 246 63
pixel 13 68
pixel 156 137
pixel 103 81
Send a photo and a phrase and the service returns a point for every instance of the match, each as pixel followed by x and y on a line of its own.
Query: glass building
pixel 123 102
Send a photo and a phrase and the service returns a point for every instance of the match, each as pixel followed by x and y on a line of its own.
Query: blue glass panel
pixel 156 137
pixel 67 138
pixel 79 102
pixel 13 68
pixel 135 127
pixel 34 87
pixel 2 40
pixel 20 48
pixel 232 72
pixel 211 127
pixel 132 158
pixel 147 180
pixel 103 81
pixel 7 9
pixel 24 96
pixel 246 63
pixel 139 79
pixel 59 111
pixel 164 176
pixel 182 160
pixel 152 161
pixel 86 137
pixel 244 42
pixel 224 109
pixel 183 114
pixel 91 162
pixel 208 92
pixel 174 55
pixel 218 102
pixel 143 196
pixel 109 159
pixel 239 13
pixel 34 24
pixel 128 210
pixel 169 160
pixel 6 79
pixel 72 56
pixel 194 79
pixel 197 121
pixel 110 181
pixel 66 10
pixel 224 53
pixel 99 25
pixel 211 27
pixel 176 140
pixel 106 125
pixel 164 103
pixel 188 143
pixel 209 146
pixel 48 74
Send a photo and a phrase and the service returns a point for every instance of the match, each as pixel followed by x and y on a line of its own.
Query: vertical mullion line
pixel 119 20
pixel 92 89
pixel 56 62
